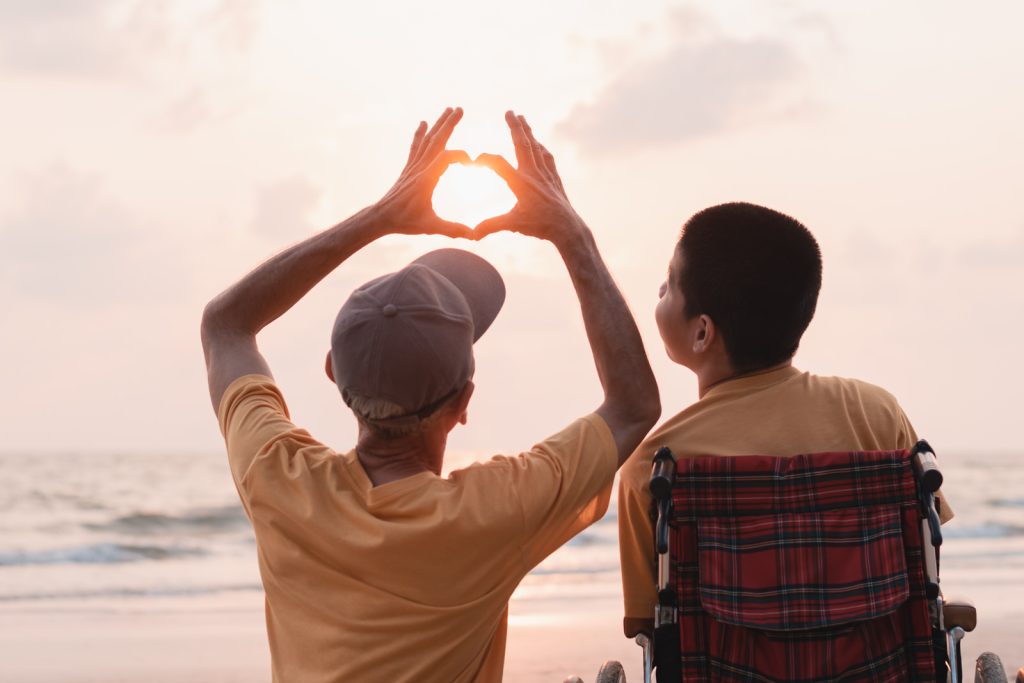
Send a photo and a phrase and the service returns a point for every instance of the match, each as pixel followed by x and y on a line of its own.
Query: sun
pixel 469 194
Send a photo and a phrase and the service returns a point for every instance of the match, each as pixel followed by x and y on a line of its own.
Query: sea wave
pixel 576 569
pixel 1007 503
pixel 97 553
pixel 201 520
pixel 985 530
pixel 155 592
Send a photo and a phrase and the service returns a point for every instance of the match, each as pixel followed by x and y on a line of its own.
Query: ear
pixel 329 368
pixel 462 402
pixel 704 335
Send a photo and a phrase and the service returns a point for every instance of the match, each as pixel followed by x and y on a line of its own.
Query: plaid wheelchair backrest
pixel 807 568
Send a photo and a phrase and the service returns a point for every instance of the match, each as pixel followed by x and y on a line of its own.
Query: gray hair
pixel 369 410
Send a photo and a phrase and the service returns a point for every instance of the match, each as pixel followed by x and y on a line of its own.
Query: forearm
pixel 271 289
pixel 622 365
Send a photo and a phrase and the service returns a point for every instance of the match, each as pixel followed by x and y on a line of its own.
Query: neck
pixel 719 373
pixel 387 460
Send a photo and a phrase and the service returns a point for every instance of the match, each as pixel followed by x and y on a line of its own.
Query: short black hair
pixel 756 273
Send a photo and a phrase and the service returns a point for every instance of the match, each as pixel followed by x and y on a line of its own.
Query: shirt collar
pixel 751 382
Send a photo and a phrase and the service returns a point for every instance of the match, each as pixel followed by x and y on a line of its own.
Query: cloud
pixel 283 207
pixel 820 24
pixel 185 113
pixel 702 83
pixel 58 242
pixel 81 38
pixel 105 39
pixel 995 253
pixel 236 23
pixel 66 242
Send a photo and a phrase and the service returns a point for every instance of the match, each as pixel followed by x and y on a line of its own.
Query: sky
pixel 154 152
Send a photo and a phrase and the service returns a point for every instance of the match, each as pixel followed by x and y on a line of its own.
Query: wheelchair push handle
pixel 925 467
pixel 663 474
pixel 929 479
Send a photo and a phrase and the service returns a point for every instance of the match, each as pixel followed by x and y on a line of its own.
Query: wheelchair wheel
pixel 989 669
pixel 611 672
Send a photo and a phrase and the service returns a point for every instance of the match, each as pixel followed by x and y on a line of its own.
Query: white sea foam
pixel 97 553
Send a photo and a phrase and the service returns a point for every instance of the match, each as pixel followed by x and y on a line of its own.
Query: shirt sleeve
pixel 252 416
pixel 636 539
pixel 563 485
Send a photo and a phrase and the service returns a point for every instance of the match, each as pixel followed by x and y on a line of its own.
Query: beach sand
pixel 217 643
pixel 223 641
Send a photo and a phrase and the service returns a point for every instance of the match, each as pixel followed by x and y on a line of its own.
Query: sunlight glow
pixel 469 194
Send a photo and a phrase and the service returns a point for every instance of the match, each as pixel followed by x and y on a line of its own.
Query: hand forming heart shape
pixel 542 208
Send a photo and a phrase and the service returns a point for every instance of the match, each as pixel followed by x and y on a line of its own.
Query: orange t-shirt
pixel 783 412
pixel 410 580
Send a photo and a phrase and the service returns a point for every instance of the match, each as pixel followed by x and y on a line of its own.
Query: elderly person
pixel 375 567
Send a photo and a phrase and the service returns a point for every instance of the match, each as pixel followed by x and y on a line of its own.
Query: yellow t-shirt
pixel 779 413
pixel 410 580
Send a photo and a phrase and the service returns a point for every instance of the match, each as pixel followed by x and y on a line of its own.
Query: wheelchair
pixel 813 568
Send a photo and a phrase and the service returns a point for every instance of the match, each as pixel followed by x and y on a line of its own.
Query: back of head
pixel 402 344
pixel 756 273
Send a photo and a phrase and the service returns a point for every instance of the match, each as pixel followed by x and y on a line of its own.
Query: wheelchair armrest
pixel 960 613
pixel 634 626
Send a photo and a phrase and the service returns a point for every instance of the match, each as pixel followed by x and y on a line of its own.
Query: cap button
pixel 389 311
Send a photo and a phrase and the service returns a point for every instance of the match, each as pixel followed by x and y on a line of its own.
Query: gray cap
pixel 407 337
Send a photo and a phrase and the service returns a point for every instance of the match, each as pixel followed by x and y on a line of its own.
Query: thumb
pixel 451 229
pixel 493 225
pixel 446 159
pixel 500 165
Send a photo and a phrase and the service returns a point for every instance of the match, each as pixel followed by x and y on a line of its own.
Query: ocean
pixel 96 527
pixel 87 532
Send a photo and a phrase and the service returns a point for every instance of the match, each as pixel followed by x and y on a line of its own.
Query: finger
pixel 500 165
pixel 417 140
pixel 549 162
pixel 440 121
pixel 451 229
pixel 453 156
pixel 493 225
pixel 527 129
pixel 540 154
pixel 445 159
pixel 538 149
pixel 443 131
pixel 524 153
pixel 425 143
pixel 545 159
pixel 446 129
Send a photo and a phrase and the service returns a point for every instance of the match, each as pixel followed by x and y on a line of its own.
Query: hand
pixel 407 207
pixel 543 209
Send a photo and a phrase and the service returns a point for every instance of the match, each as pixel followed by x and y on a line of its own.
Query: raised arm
pixel 232 320
pixel 631 403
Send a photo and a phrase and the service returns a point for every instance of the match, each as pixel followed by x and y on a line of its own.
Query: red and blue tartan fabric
pixel 801 569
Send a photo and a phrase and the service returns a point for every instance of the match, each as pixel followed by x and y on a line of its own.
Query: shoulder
pixel 253 392
pixel 867 395
pixel 254 420
pixel 872 412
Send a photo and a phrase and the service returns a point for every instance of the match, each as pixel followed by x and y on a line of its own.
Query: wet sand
pixel 218 641
pixel 215 643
